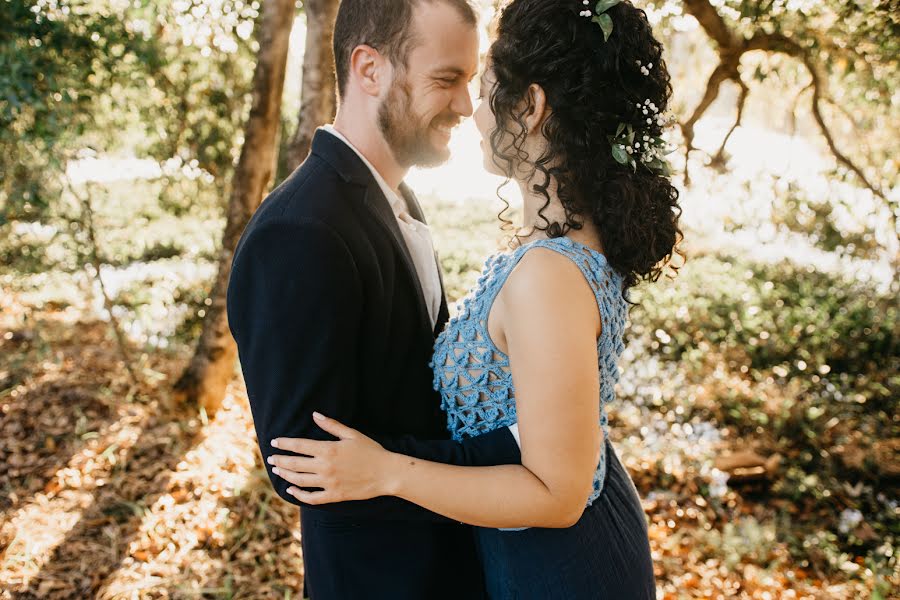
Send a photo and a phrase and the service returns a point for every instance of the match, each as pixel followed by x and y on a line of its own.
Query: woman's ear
pixel 366 66
pixel 537 108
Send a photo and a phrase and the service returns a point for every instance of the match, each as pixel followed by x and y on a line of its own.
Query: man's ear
pixel 537 108
pixel 367 69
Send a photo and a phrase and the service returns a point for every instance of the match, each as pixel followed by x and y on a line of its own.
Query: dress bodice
pixel 473 376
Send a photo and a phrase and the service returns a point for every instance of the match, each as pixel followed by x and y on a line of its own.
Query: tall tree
pixel 212 365
pixel 318 102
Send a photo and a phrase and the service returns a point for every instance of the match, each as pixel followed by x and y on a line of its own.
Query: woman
pixel 572 99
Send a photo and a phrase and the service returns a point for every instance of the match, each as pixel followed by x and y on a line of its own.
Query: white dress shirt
pixel 416 234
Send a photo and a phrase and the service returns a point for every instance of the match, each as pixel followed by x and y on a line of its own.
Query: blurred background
pixel 758 408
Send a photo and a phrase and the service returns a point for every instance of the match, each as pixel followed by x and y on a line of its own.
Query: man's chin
pixel 426 156
pixel 423 151
pixel 435 157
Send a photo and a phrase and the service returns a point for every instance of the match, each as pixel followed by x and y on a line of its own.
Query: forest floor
pixel 107 490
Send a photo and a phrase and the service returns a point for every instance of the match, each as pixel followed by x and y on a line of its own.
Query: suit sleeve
pixel 294 305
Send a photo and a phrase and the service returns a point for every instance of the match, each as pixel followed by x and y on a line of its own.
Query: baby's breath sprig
pixel 630 146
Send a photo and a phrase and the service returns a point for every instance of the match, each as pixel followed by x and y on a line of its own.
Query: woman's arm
pixel 546 316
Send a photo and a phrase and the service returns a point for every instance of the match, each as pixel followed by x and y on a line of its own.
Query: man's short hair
pixel 385 25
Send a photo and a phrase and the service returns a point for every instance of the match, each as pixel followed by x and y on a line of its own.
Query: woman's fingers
pixel 298 464
pixel 335 428
pixel 301 446
pixel 323 497
pixel 315 447
pixel 308 480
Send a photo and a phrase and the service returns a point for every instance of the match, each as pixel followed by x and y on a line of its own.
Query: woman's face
pixel 485 120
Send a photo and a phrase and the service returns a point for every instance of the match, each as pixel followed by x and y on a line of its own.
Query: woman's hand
pixel 353 468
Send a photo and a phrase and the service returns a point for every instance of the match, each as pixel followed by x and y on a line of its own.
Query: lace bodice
pixel 473 375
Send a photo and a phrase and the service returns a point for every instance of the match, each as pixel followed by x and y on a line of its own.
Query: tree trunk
pixel 212 367
pixel 318 102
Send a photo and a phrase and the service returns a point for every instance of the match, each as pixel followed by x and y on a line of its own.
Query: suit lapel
pixel 412 203
pixel 381 208
pixel 352 170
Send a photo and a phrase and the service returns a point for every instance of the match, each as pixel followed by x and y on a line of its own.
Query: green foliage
pixel 602 19
pixel 201 97
pixel 791 318
pixel 465 234
pixel 164 79
pixel 56 62
pixel 743 541
pixel 816 218
pixel 798 362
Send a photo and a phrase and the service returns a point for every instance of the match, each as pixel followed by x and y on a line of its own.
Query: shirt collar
pixel 397 204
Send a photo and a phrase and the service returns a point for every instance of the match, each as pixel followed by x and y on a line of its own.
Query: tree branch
pixel 719 158
pixel 794 104
pixel 724 71
pixel 843 159
pixel 712 23
pixel 730 50
pixel 774 42
pixel 86 224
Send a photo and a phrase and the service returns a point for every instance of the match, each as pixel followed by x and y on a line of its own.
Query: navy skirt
pixel 605 556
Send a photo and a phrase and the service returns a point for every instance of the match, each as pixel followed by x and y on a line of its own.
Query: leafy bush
pixel 465 234
pixel 780 316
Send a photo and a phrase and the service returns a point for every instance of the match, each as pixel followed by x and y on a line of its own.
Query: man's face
pixel 430 95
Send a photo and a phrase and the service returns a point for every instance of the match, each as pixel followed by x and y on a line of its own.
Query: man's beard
pixel 407 138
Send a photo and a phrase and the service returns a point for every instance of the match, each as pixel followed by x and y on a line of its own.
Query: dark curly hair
pixel 591 86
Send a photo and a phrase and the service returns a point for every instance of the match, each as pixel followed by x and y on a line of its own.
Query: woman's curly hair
pixel 591 86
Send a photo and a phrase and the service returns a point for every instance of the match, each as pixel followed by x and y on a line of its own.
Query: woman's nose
pixel 462 102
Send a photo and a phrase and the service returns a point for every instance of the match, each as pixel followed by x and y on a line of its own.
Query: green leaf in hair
pixel 605 5
pixel 605 23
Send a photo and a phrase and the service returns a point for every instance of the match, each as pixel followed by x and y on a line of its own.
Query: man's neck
pixel 369 141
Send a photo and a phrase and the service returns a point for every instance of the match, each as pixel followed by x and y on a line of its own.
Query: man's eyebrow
pixel 456 71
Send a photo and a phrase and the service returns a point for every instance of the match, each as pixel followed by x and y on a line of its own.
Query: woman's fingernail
pixel 274 443
pixel 276 471
pixel 318 416
pixel 271 460
pixel 292 490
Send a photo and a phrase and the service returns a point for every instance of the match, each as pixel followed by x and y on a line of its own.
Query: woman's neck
pixel 536 213
pixel 535 209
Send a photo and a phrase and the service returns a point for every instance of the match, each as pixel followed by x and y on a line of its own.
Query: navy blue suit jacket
pixel 329 315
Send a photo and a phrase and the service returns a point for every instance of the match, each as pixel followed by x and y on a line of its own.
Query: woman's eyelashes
pixel 482 88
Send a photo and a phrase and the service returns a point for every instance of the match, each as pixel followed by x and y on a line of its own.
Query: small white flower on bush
pixel 718 483
pixel 850 518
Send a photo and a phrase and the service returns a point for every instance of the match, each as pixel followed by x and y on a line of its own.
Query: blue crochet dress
pixel 607 552
pixel 473 375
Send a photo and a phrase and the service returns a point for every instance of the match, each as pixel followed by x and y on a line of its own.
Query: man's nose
pixel 462 102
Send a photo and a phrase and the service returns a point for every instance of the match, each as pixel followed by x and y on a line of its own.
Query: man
pixel 335 298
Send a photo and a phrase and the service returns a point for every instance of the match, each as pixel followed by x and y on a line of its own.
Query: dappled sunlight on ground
pixel 109 492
